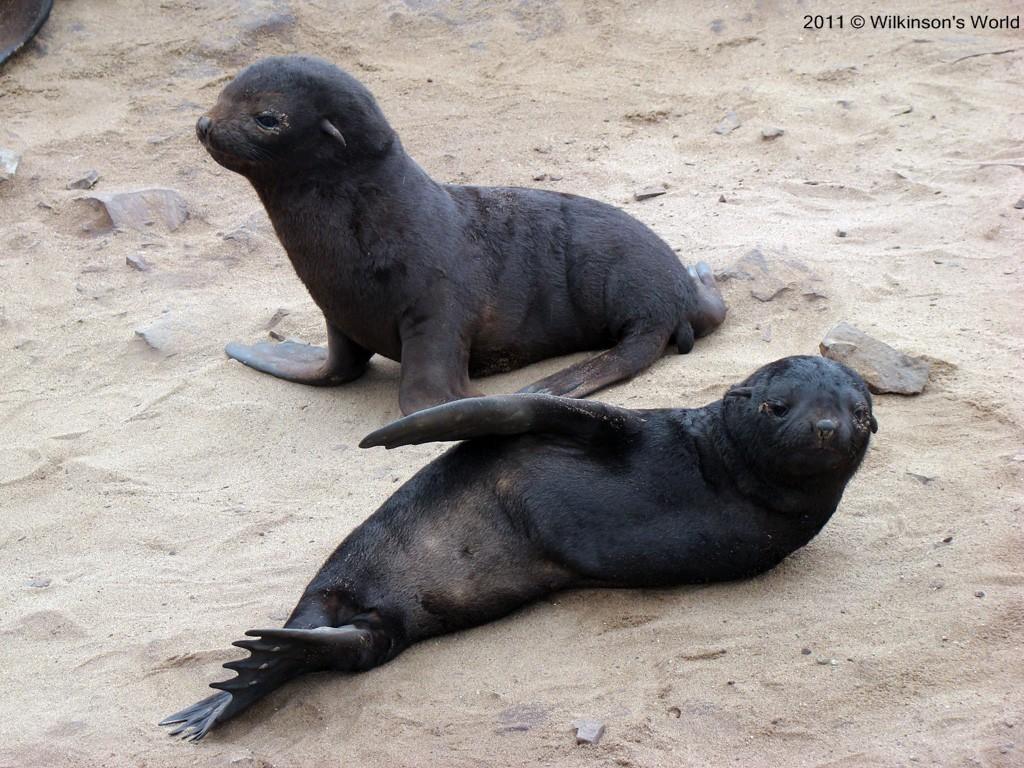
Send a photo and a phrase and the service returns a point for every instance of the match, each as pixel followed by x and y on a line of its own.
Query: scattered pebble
pixel 588 731
pixel 38 582
pixel 9 161
pixel 277 336
pixel 947 540
pixel 675 712
pixel 135 261
pixel 767 134
pixel 86 181
pixel 547 177
pixel 903 110
pixel 805 651
pixel 729 123
pixel 885 369
pixel 279 314
pixel 647 193
pixel 844 103
pixel 1019 205
pixel 979 593
pixel 936 584
pixel 922 479
pixel 827 662
pixel 840 233
pixel 721 198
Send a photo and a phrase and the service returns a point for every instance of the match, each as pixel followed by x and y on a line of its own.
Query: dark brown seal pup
pixel 451 281
pixel 551 493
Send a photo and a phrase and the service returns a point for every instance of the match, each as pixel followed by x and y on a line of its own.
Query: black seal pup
pixel 551 493
pixel 452 281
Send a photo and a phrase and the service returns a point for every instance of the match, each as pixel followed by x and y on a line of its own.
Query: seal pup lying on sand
pixel 452 281
pixel 552 493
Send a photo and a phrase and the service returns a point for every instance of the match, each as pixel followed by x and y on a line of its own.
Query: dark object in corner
pixel 19 22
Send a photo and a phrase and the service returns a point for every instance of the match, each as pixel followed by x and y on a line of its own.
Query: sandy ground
pixel 173 499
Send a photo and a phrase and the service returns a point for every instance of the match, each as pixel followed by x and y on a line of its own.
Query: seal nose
pixel 203 127
pixel 825 428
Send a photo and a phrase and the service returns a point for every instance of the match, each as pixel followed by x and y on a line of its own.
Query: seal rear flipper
pixel 581 420
pixel 277 656
pixel 636 351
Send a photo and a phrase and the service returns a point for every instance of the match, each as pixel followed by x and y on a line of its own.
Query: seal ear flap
pixel 329 128
pixel 735 391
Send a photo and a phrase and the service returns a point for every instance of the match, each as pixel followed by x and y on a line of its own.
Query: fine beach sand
pixel 155 503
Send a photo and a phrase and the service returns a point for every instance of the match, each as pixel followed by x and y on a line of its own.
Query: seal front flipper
pixel 581 420
pixel 276 657
pixel 342 361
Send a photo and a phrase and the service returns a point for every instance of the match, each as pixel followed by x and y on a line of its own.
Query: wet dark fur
pixel 551 493
pixel 452 281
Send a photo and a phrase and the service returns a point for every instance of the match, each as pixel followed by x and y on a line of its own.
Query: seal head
pixel 800 417
pixel 297 113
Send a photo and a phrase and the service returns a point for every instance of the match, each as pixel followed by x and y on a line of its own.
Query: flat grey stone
pixel 646 193
pixel 886 370
pixel 769 277
pixel 771 133
pixel 140 210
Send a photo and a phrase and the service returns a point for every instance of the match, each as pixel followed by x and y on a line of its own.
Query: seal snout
pixel 825 429
pixel 203 126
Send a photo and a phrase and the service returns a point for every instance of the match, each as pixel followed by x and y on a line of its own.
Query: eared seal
pixel 551 493
pixel 452 281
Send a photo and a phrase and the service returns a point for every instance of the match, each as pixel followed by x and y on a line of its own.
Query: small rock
pixel 135 261
pixel 922 479
pixel 543 149
pixel 979 593
pixel 771 278
pixel 721 198
pixel 277 336
pixel 86 181
pixel 936 584
pixel 840 233
pixel 947 540
pixel 9 161
pixel 139 210
pixel 885 369
pixel 766 332
pixel 163 334
pixel 1019 205
pixel 729 123
pixel 648 192
pixel 805 651
pixel 588 731
pixel 844 103
pixel 279 314
pixel 675 712
pixel 38 582
pixel 903 110
pixel 767 134
pixel 827 662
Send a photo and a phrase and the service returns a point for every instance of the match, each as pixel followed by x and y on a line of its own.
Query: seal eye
pixel 268 120
pixel 775 409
